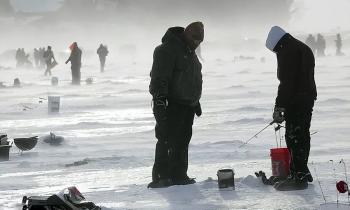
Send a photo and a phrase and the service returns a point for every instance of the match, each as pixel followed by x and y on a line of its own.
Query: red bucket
pixel 280 160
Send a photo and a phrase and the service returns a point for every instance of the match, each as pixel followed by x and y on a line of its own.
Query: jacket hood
pixel 274 36
pixel 174 35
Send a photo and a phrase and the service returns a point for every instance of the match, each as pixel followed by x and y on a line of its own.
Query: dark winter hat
pixel 196 29
pixel 275 34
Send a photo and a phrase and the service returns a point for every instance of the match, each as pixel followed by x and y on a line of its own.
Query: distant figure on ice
pixel 102 52
pixel 26 60
pixel 19 58
pixel 294 102
pixel 339 44
pixel 49 60
pixel 36 57
pixel 176 87
pixel 22 58
pixel 75 60
pixel 320 45
pixel 41 57
pixel 311 42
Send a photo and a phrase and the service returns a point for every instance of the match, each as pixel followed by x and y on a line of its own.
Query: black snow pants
pixel 174 135
pixel 76 75
pixel 102 63
pixel 298 119
pixel 48 68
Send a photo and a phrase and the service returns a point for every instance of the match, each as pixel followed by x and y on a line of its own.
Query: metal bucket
pixel 5 152
pixel 226 179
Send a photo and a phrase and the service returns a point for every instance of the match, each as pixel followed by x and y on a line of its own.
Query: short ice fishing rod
pixel 246 142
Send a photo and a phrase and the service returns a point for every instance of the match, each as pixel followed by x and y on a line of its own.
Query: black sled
pixel 68 199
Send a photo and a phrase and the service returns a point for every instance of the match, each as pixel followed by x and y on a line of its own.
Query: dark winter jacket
pixel 75 58
pixel 102 51
pixel 48 56
pixel 295 72
pixel 176 71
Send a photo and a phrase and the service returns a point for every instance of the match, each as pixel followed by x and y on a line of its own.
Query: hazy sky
pixel 310 15
pixel 321 15
pixel 35 5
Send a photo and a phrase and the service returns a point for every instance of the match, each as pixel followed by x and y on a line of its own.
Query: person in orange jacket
pixel 75 60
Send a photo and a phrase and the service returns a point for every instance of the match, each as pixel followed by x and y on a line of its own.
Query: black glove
pixel 198 110
pixel 278 114
pixel 159 108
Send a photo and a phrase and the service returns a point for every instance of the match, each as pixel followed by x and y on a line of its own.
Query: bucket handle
pixel 278 128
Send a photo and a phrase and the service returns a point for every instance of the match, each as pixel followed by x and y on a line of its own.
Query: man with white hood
pixel 294 102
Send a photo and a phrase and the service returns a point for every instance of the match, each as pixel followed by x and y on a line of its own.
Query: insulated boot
pixel 184 181
pixel 292 183
pixel 309 177
pixel 306 176
pixel 161 183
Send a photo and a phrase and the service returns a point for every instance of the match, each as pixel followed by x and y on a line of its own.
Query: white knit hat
pixel 275 34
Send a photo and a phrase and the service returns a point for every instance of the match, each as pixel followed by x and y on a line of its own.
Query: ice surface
pixel 108 127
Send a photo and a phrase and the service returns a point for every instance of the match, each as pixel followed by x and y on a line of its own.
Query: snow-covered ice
pixel 109 127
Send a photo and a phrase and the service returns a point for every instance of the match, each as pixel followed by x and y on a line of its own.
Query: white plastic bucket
pixel 53 104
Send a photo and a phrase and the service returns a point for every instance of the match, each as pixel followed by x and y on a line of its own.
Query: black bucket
pixel 226 179
pixel 5 152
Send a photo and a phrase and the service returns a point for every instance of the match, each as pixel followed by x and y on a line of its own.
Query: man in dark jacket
pixel 102 52
pixel 311 42
pixel 75 60
pixel 19 59
pixel 176 87
pixel 294 102
pixel 36 57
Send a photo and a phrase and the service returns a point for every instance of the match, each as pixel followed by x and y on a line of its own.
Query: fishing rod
pixel 255 135
pixel 277 128
pixel 276 137
pixel 313 133
pixel 336 182
pixel 319 183
pixel 346 176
